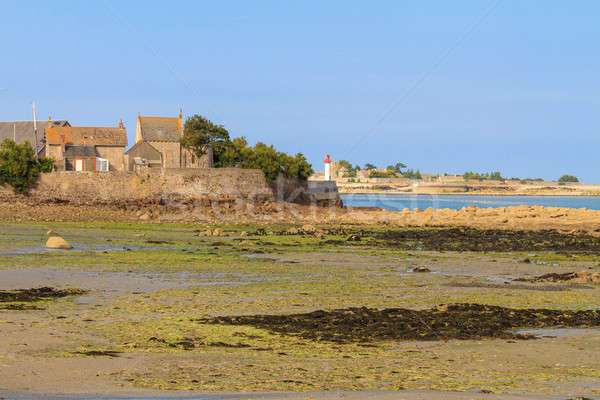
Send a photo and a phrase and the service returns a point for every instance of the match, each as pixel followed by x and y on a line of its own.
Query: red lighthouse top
pixel 327 160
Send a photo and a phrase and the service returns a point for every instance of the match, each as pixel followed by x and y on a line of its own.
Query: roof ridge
pixel 90 127
pixel 160 117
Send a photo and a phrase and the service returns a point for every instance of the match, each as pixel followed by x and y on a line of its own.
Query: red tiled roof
pixel 96 136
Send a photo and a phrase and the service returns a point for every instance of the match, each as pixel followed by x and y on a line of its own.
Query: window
pixel 102 164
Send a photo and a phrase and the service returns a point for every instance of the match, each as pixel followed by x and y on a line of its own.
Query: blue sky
pixel 518 94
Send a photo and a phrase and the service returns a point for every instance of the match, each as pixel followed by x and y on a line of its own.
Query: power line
pixel 426 74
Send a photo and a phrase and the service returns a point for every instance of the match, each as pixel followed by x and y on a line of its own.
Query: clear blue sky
pixel 519 94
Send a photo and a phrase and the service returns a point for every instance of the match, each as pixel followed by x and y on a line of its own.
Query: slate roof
pixel 144 150
pixel 23 130
pixel 80 151
pixel 95 136
pixel 160 129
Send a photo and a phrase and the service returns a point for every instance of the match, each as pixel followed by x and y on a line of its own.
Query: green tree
pixel 199 133
pixel 397 168
pixel 345 164
pixel 233 153
pixel 369 166
pixel 272 162
pixel 296 166
pixel 568 178
pixel 19 167
pixel 410 174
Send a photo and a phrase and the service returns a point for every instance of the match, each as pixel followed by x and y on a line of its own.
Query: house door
pixel 78 165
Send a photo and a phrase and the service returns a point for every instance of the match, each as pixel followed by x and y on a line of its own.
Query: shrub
pixel 568 178
pixel 18 166
pixel 382 174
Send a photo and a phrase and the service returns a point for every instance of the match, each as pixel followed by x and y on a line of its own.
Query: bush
pixel 237 153
pixel 18 166
pixel 494 176
pixel 568 178
pixel 382 174
pixel 410 174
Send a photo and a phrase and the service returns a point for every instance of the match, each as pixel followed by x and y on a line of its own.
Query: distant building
pixel 164 135
pixel 79 148
pixel 22 131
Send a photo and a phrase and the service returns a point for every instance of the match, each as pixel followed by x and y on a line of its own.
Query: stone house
pixel 23 131
pixel 80 148
pixel 143 154
pixel 164 134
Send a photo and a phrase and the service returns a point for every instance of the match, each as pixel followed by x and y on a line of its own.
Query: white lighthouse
pixel 327 162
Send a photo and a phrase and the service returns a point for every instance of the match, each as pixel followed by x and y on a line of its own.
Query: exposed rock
pixel 145 217
pixel 56 242
pixel 243 233
pixel 292 231
pixel 245 243
pixel 217 232
pixel 308 228
pixel 421 269
pixel 51 233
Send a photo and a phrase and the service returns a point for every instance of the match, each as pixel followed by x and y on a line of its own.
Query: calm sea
pixel 397 202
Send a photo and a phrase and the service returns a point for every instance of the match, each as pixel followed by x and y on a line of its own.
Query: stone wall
pixel 123 186
pixel 114 155
pixel 91 187
pixel 171 153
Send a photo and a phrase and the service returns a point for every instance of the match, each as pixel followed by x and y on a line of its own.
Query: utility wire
pixel 402 99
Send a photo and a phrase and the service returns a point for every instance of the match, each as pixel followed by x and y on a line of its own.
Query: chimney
pixel 180 113
pixel 50 118
pixel 62 143
pixel 121 123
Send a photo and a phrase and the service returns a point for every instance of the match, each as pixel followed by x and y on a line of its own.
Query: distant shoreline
pixel 380 192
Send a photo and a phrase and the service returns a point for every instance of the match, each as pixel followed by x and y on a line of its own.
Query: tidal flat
pixel 167 309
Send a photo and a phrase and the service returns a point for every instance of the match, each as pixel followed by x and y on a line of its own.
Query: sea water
pixel 397 202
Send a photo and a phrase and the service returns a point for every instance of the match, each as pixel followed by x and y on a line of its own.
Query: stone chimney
pixel 62 144
pixel 121 124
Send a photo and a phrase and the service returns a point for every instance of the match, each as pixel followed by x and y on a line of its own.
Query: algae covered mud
pixel 153 310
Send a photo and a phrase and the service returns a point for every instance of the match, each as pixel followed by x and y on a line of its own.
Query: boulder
pixel 308 228
pixel 56 242
pixel 145 217
pixel 217 232
pixel 421 269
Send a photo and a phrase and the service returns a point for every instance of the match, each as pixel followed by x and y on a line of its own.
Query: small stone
pixel 245 243
pixel 145 217
pixel 421 269
pixel 217 232
pixel 56 242
pixel 292 231
pixel 243 233
pixel 51 233
pixel 308 228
